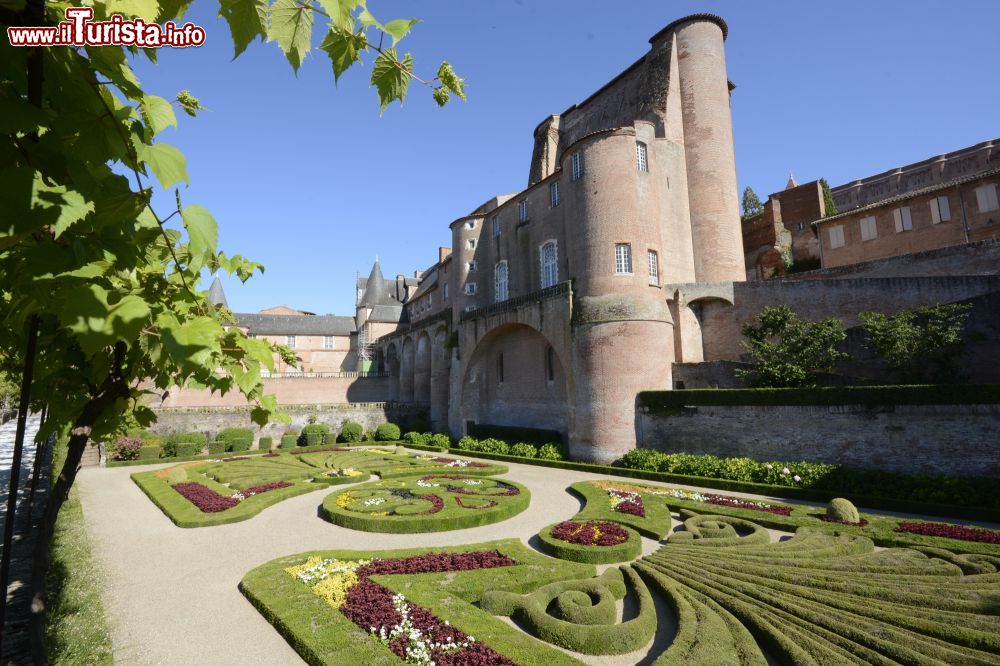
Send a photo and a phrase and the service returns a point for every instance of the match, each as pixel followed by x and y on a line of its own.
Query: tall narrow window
pixel 327 342
pixel 470 288
pixel 500 367
pixel 550 364
pixel 501 281
pixel 869 230
pixel 496 226
pixel 522 210
pixel 903 220
pixel 554 194
pixel 940 210
pixel 577 163
pixel 654 268
pixel 446 291
pixel 623 258
pixel 290 341
pixel 550 264
pixel 640 156
pixel 471 243
pixel 986 198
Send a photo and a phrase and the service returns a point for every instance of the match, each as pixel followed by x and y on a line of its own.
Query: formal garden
pixel 648 570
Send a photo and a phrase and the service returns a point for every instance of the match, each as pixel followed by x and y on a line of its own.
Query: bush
pixel 147 452
pixel 289 440
pixel 919 345
pixel 842 511
pixel 238 444
pixel 218 447
pixel 185 449
pixel 314 434
pixel 197 439
pixel 415 438
pixel 228 434
pixel 265 444
pixel 126 448
pixel 524 450
pixel 550 452
pixel 387 432
pixel 644 459
pixel 514 433
pixel 468 443
pixel 351 432
pixel 440 439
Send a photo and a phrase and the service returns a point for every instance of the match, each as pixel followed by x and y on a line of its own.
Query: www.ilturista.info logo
pixel 79 30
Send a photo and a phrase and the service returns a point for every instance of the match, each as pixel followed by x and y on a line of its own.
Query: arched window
pixel 550 264
pixel 500 275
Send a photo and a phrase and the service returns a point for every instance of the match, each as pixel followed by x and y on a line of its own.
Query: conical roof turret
pixel 376 292
pixel 216 296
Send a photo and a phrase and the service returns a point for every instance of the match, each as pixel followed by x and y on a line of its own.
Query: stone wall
pixel 291 391
pixel 958 440
pixel 979 258
pixel 212 420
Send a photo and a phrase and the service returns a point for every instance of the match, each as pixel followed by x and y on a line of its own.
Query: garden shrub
pixel 239 444
pixel 644 459
pixel 289 440
pixel 514 433
pixel 415 438
pixel 524 450
pixel 368 436
pixel 440 439
pixel 351 432
pixel 147 452
pixel 314 434
pixel 265 444
pixel 170 443
pixel 217 447
pixel 497 446
pixel 550 452
pixel 468 443
pixel 126 448
pixel 227 434
pixel 841 510
pixel 387 432
pixel 177 475
pixel 185 449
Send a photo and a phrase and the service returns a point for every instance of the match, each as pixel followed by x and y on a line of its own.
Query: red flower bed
pixel 270 455
pixel 436 501
pixel 951 531
pixel 264 487
pixel 235 458
pixel 370 606
pixel 737 503
pixel 590 533
pixel 204 497
pixel 827 519
pixel 458 501
pixel 632 508
pixel 451 460
pixel 503 489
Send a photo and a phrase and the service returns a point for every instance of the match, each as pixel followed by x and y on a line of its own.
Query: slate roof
pixel 376 290
pixel 909 195
pixel 216 295
pixel 268 324
pixel 387 313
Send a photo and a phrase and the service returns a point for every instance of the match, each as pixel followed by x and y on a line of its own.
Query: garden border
pixel 564 550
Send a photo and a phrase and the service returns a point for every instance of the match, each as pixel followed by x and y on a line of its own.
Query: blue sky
pixel 307 177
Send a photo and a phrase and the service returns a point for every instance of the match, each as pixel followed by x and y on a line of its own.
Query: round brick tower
pixel 708 145
pixel 622 333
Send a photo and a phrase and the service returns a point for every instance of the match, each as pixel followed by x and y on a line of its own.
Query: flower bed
pixel 592 541
pixel 590 533
pixel 960 532
pixel 423 504
pixel 206 499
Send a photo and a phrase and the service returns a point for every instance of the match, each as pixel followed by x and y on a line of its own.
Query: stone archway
pixel 406 371
pixel 392 368
pixel 512 378
pixel 422 370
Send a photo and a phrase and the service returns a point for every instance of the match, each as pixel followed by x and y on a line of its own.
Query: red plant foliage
pixel 339 448
pixel 458 501
pixel 264 487
pixel 737 503
pixel 590 533
pixel 204 497
pixel 980 534
pixel 436 502
pixel 234 458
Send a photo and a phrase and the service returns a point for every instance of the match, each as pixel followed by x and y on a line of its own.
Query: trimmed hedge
pixel 449 518
pixel 227 434
pixel 669 402
pixel 265 444
pixel 150 452
pixel 351 432
pixel 185 449
pixel 289 441
pixel 564 550
pixel 514 433
pixel 217 447
pixel 197 439
pixel 387 432
pixel 239 444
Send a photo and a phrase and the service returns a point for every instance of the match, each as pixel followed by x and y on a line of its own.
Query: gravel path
pixel 172 594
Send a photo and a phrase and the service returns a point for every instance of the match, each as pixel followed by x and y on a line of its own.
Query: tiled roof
pixel 909 195
pixel 265 324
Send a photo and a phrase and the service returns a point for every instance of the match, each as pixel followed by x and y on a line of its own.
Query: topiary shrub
pixel 415 438
pixel 491 445
pixel 197 439
pixel 185 449
pixel 289 440
pixel 125 448
pixel 524 450
pixel 550 452
pixel 147 452
pixel 468 443
pixel 218 447
pixel 228 434
pixel 351 432
pixel 239 444
pixel 265 444
pixel 314 434
pixel 387 432
pixel 440 439
pixel 644 459
pixel 842 511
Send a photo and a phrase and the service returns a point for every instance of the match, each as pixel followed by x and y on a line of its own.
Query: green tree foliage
pixel 787 351
pixel 828 205
pixel 920 345
pixel 751 203
pixel 106 283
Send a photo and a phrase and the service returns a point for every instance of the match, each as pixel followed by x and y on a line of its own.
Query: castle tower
pixel 708 145
pixel 216 296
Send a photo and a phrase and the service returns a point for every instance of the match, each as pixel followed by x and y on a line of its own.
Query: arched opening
pixel 392 368
pixel 422 370
pixel 406 372
pixel 507 381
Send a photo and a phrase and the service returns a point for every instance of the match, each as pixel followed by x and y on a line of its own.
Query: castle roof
pixel 791 181
pixel 271 324
pixel 376 291
pixel 216 296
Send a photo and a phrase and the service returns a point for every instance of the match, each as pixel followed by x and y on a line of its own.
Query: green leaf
pixel 147 10
pixel 157 113
pixel 190 344
pixel 391 76
pixel 441 95
pixel 203 234
pixel 98 324
pixel 450 80
pixel 168 163
pixel 291 27
pixel 367 20
pixel 62 205
pixel 344 49
pixel 247 21
pixel 189 103
pixel 399 28
pixel 341 12
pixel 258 350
